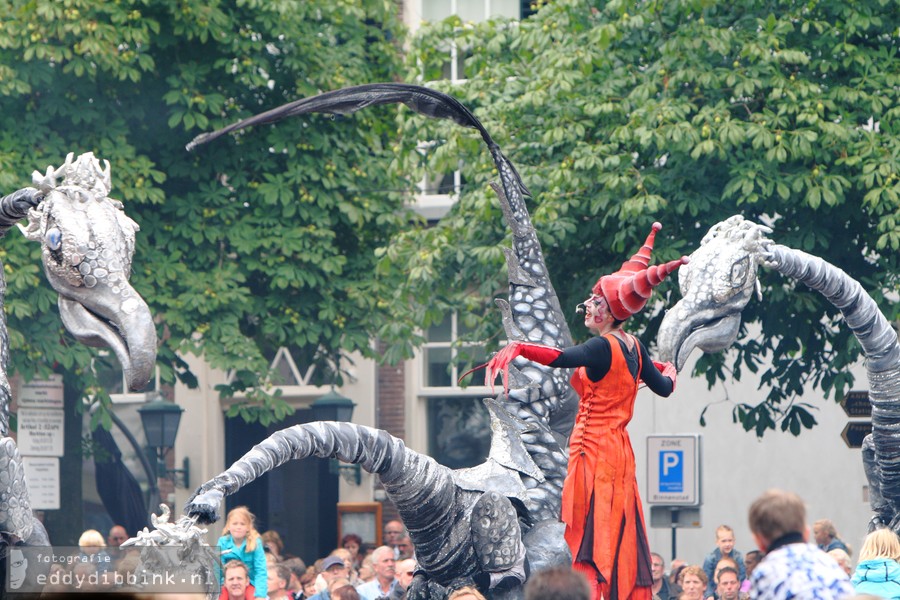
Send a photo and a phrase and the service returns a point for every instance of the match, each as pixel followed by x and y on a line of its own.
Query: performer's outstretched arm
pixel 659 377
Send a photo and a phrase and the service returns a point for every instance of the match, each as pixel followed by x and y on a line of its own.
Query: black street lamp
pixel 160 419
pixel 334 407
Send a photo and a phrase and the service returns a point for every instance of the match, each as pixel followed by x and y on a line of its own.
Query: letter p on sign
pixel 671 471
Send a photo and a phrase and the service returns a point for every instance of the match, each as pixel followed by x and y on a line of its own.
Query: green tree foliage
pixel 254 242
pixel 685 111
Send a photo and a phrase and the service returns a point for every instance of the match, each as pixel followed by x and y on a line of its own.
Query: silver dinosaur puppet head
pixel 715 287
pixel 87 243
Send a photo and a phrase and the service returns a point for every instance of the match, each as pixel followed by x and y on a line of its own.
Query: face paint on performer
pixel 596 311
pixel 592 300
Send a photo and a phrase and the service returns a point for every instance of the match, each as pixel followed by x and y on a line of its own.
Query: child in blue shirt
pixel 241 541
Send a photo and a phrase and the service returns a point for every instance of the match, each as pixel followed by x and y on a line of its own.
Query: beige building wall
pixel 201 435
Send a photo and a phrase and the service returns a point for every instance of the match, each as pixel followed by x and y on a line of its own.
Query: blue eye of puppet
pixel 53 238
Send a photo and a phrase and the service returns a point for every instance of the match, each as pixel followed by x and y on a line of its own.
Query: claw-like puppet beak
pixel 127 329
pixel 716 286
pixel 683 330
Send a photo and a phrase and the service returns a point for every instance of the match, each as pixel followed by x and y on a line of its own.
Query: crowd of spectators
pixel 789 559
pixel 354 571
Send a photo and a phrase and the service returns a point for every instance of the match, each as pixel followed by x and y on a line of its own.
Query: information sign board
pixel 42 482
pixel 855 432
pixel 857 404
pixel 42 393
pixel 673 470
pixel 40 431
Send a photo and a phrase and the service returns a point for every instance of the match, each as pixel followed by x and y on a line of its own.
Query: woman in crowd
pixel 353 543
pixel 273 544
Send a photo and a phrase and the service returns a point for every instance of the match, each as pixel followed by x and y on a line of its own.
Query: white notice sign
pixel 40 431
pixel 673 470
pixel 42 393
pixel 42 481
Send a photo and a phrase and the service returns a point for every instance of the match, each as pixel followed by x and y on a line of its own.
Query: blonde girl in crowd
pixel 241 541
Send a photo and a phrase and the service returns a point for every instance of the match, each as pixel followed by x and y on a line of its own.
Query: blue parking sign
pixel 671 471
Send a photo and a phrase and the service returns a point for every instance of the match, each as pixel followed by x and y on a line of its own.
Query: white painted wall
pixel 201 433
pixel 736 467
pixel 361 388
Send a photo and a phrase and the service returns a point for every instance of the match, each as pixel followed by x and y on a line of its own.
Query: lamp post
pixel 160 419
pixel 332 406
pixel 152 499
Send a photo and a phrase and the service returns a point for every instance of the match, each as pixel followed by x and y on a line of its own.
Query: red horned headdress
pixel 628 289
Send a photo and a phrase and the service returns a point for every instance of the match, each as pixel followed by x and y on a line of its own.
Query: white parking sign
pixel 673 470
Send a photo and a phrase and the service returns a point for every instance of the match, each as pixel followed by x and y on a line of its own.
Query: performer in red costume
pixel 600 503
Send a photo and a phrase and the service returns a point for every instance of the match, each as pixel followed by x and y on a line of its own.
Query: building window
pixel 445 357
pixel 446 183
pixel 526 8
pixel 437 183
pixel 470 10
pixel 437 192
pixel 459 431
pixel 457 423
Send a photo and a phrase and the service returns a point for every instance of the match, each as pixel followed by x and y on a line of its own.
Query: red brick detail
pixel 390 409
pixel 390 412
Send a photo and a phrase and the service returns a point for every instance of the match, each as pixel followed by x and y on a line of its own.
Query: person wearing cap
pixel 333 568
pixel 601 506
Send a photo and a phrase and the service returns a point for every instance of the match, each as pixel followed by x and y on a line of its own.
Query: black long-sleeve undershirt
pixel 596 356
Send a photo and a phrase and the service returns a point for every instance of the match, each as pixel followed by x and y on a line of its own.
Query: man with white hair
pixel 385 581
